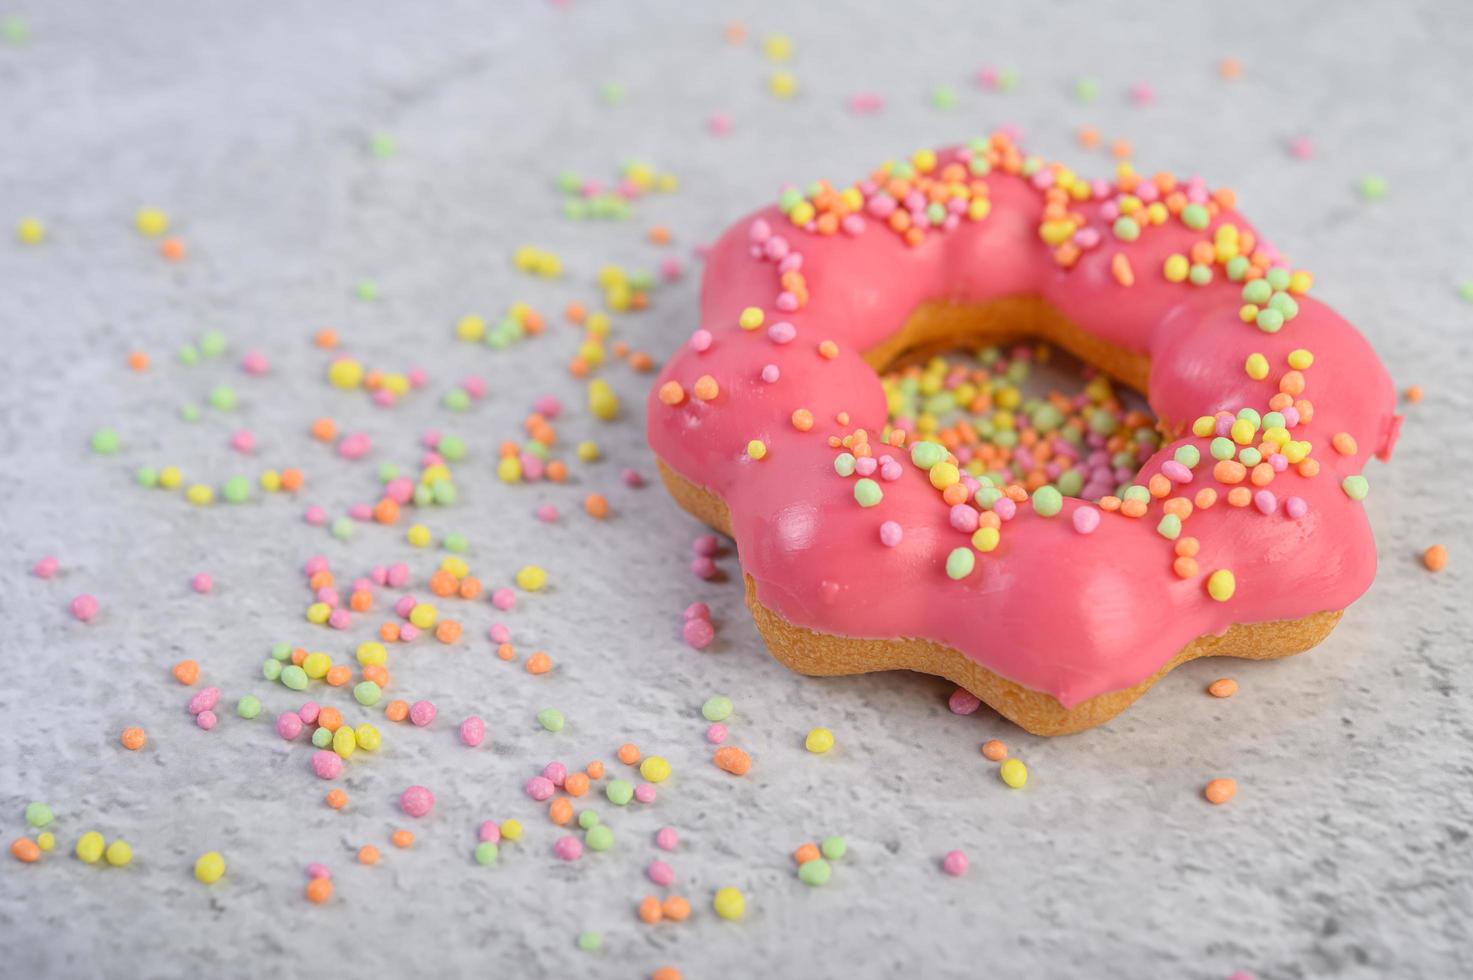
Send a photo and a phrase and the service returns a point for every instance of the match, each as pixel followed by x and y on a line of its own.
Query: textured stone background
pixel 1347 851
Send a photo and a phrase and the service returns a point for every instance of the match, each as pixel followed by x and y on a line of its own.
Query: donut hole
pixel 1016 407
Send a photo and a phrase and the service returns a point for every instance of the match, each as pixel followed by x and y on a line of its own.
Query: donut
pixel 867 547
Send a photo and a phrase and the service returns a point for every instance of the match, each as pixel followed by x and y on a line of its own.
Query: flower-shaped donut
pixel 868 548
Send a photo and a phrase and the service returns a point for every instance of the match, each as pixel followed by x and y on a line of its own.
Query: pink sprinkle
pixel 408 633
pixel 716 733
pixel 46 567
pixel 315 564
pixel 963 518
pixel 698 610
pixel 354 446
pixel 1296 507
pixel 400 489
pixel 499 633
pixel 568 848
pixel 398 574
pixel 759 231
pixel 204 700
pixel 963 702
pixel 490 831
pixel 632 477
pixel 1265 501
pixel 201 582
pixel 360 512
pixel 472 731
pixel 416 801
pixel 1176 472
pixel 503 599
pixel 421 713
pixel 340 619
pixel 84 607
pixel 671 269
pixel 1086 519
pixel 700 341
pixel 644 793
pixel 418 377
pixel 955 863
pixel 254 363
pixel 1142 94
pixel 548 406
pixel 384 398
pixel 405 606
pixel 782 332
pixel 315 870
pixel 866 103
pixel 698 633
pixel 719 124
pixel 706 544
pixel 539 788
pixel 890 534
pixel 315 516
pixel 288 725
pixel 547 513
pixel 703 568
pixel 556 772
pixel 660 873
pixel 1301 148
pixel 1005 508
pixel 770 373
pixel 309 712
pixel 327 765
pixel 987 77
pixel 206 720
pixel 666 839
pixel 243 441
pixel 474 385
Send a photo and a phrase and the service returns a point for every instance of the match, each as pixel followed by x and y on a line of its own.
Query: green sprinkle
pixel 716 708
pixel 1188 456
pixel 222 397
pixel 1199 274
pixel 1270 320
pixel 294 677
pixel 1136 492
pixel 322 738
pixel 248 706
pixel 1250 416
pixel 987 496
pixel 213 343
pixel 588 819
pixel 105 442
pixel 1170 527
pixel 927 454
pixel 188 354
pixel 281 651
pixel 815 872
pixel 1237 268
pixel 38 814
pixel 147 476
pixel 599 838
pixel 1285 304
pixel 833 847
pixel 619 792
pixel 960 562
pixel 367 692
pixel 382 145
pixel 189 413
pixel 1372 188
pixel 236 490
pixel 589 942
pixel 868 492
pixel 15 30
pixel 935 213
pixel 1249 456
pixel 1070 482
pixel 1126 229
pixel 612 93
pixel 457 400
pixel 1047 501
pixel 455 543
pixel 1257 292
pixel 1195 216
pixel 487 853
pixel 443 493
pixel 366 289
pixel 451 447
pixel 1273 420
pixel 343 528
pixel 943 97
pixel 1086 89
pixel 271 670
pixel 1007 79
pixel 1278 277
pixel 551 719
pixel 844 464
pixel 1465 292
pixel 1355 487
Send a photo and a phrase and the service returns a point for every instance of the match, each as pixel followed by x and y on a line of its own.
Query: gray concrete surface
pixel 1347 851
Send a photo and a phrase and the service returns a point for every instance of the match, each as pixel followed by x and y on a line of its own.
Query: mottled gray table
pixel 1346 852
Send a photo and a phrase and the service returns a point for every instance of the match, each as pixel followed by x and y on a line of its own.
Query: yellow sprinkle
pixel 985 539
pixel 1176 268
pixel 151 222
pixel 782 84
pixel 1014 773
pixel 418 535
pixel 471 328
pixel 1256 366
pixel 1300 281
pixel 1204 426
pixel 756 449
pixel 30 231
pixel 1300 359
pixel 1221 585
pixel 751 318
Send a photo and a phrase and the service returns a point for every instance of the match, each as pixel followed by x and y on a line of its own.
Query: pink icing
pixel 1068 613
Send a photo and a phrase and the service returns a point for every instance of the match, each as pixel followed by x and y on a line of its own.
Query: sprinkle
pixel 1223 687
pixel 1086 520
pixel 1435 558
pixel 133 739
pixel 1219 791
pixel 756 449
pixel 867 492
pixel 706 388
pixel 1014 773
pixel 955 863
pixel 1256 366
pixel 891 534
pixel 85 607
pixel 1047 501
pixel 960 562
pixel 994 750
pixel 815 872
pixel 551 719
pixel 751 318
pixel 729 903
pixel 671 393
pixel 1355 487
pixel 733 760
pixel 1221 584
pixel 1372 188
pixel 819 741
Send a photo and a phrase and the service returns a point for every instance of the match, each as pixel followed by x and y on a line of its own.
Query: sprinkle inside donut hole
pixel 1028 414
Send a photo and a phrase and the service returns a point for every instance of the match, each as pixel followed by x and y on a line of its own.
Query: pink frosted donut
pixel 1057 612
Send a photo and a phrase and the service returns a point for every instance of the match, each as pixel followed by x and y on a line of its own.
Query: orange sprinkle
pixel 338 675
pixel 597 506
pixel 576 783
pixel 628 753
pixel 320 579
pixel 324 430
pixel 138 361
pixel 319 890
pixel 539 663
pixel 134 739
pixel 595 769
pixel 706 388
pixel 1088 137
pixel 806 852
pixel 368 854
pixel 448 631
pixel 1133 508
pixel 1158 485
pixel 25 849
pixel 1230 68
pixel 659 235
pixel 671 393
pixel 291 479
pixel 1229 471
pixel 1414 394
pixel 1239 497
pixel 649 910
pixel 506 651
pixel 1308 467
pixel 186 672
pixel 326 338
pixel 298 655
pixel 560 810
pixel 994 750
pixel 1292 383
pixel 1184 567
pixel 329 718
pixel 1344 443
pixel 1219 791
pixel 172 249
pixel 1187 547
pixel 1205 498
pixel 733 760
pixel 1435 558
pixel 396 710
pixel 802 419
pixel 402 838
pixel 1121 270
pixel 1223 687
pixel 470 587
pixel 557 471
pixel 361 601
pixel 337 799
pixel 376 673
pixel 675 908
pixel 828 349
pixel 666 973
